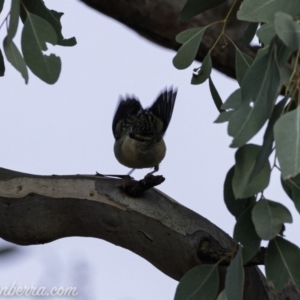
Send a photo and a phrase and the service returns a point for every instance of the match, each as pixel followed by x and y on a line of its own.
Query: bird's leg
pixel 156 168
pixel 127 179
pixel 130 172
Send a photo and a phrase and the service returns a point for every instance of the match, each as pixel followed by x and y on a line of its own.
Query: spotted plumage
pixel 139 132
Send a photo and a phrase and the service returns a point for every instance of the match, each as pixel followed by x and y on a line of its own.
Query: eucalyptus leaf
pixel 195 7
pixel 13 19
pixel 287 138
pixel 245 233
pixel 204 71
pixel 2 66
pixel 222 296
pixel 267 145
pixel 215 95
pixel 268 218
pixel 1 5
pixel 288 30
pixel 249 33
pixel 292 187
pixel 283 54
pixel 35 34
pixel 201 282
pixel 188 34
pixel 234 282
pixel 245 158
pixel 260 87
pixel 188 51
pixel 37 7
pixel 264 11
pixel 233 101
pixel 14 56
pixel 235 206
pixel 266 33
pixel 242 63
pixel 282 264
pixel 224 116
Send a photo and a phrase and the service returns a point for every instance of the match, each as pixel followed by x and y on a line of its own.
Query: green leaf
pixel 234 282
pixel 245 158
pixel 14 56
pixel 244 232
pixel 215 95
pixel 2 66
pixel 201 282
pixel 13 19
pixel 188 51
pixel 37 7
pixel 249 33
pixel 222 296
pixel 35 34
pixel 282 263
pixel 242 63
pixel 233 101
pixel 224 116
pixel 195 7
pixel 283 54
pixel 186 35
pixel 235 206
pixel 204 71
pixel 260 86
pixel 287 138
pixel 268 218
pixel 263 11
pixel 266 33
pixel 1 5
pixel 288 30
pixel 292 187
pixel 267 145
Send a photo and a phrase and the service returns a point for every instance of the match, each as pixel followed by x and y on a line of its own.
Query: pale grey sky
pixel 66 129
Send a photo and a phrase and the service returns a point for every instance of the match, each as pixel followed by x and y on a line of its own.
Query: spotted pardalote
pixel 139 132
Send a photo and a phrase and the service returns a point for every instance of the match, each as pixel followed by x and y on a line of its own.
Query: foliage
pixel 40 26
pixel 273 71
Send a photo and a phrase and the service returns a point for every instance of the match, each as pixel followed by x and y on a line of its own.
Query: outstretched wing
pixel 126 108
pixel 163 107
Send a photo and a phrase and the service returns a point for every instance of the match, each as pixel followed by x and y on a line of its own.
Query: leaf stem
pixel 223 27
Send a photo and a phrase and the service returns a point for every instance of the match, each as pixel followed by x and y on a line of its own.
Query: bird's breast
pixel 136 154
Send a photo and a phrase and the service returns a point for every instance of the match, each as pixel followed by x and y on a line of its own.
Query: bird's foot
pixel 113 175
pixel 136 188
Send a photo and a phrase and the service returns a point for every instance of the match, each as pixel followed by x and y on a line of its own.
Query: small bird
pixel 139 132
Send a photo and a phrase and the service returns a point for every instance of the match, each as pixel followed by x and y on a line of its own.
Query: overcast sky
pixel 65 128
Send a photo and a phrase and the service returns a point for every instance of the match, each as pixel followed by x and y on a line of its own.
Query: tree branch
pixel 157 21
pixel 39 209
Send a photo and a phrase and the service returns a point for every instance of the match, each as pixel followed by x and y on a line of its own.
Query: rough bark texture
pixel 157 21
pixel 40 209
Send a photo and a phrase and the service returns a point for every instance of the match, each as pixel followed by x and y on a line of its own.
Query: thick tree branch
pixel 157 21
pixel 40 209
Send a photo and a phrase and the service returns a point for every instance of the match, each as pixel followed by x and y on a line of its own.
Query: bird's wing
pixel 163 107
pixel 126 108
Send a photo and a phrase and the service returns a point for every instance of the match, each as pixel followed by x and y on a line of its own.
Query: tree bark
pixel 157 21
pixel 40 209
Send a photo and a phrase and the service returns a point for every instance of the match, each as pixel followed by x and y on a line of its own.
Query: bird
pixel 139 132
